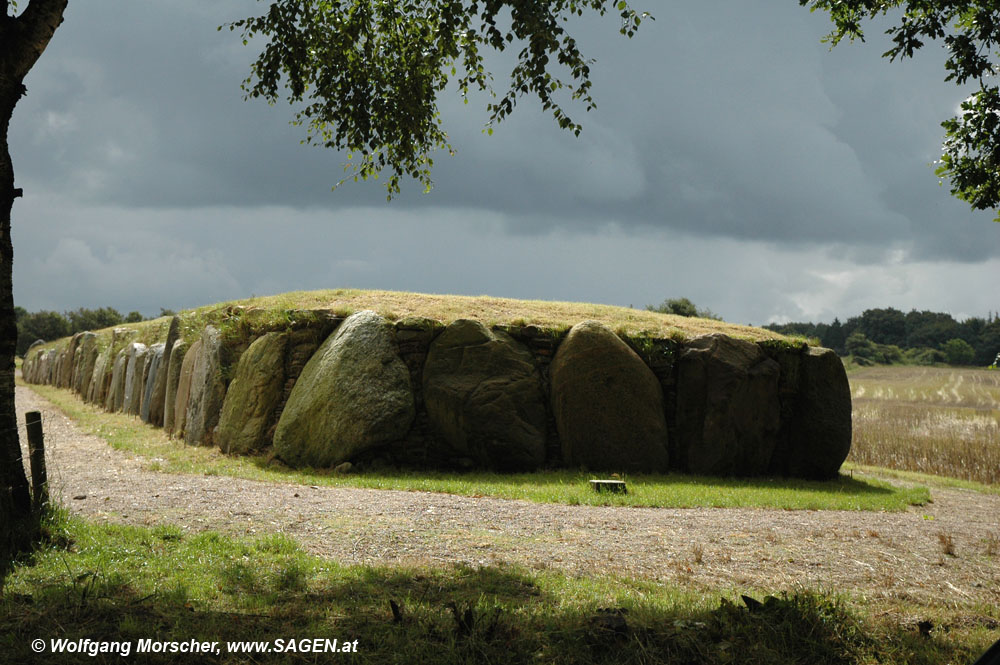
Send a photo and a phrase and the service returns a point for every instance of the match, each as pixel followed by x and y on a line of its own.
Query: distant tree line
pixel 888 336
pixel 47 325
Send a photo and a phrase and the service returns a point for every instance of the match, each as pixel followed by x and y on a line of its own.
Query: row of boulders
pixel 467 395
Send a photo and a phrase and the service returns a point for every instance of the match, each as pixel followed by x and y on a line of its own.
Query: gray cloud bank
pixel 732 159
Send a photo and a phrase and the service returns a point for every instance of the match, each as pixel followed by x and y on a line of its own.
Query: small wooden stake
pixel 36 456
pixel 613 486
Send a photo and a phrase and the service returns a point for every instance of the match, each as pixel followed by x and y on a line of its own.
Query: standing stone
pixel 34 358
pixel 141 377
pixel 113 400
pixel 155 362
pixel 133 377
pixel 56 367
pixel 253 396
pixel 353 397
pixel 207 390
pixel 65 379
pixel 30 365
pixel 41 372
pixel 820 432
pixel 184 389
pixel 173 377
pixel 88 357
pixel 728 409
pixel 484 398
pixel 157 400
pixel 95 391
pixel 608 405
pixel 38 366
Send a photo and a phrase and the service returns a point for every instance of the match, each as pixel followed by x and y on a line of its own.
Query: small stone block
pixel 614 486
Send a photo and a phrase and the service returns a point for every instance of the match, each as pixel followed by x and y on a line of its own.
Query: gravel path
pixel 883 554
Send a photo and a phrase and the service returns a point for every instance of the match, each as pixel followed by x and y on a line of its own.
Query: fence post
pixel 36 456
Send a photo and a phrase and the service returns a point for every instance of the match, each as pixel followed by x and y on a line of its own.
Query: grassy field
pixel 560 486
pixel 125 584
pixel 932 420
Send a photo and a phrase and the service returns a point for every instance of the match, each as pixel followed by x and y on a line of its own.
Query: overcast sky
pixel 733 159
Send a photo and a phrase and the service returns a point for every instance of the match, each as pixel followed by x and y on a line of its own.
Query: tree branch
pixel 28 34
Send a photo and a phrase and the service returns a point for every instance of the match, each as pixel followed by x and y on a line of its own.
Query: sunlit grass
pixel 559 486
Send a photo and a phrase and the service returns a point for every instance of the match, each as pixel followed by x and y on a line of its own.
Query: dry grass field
pixel 939 420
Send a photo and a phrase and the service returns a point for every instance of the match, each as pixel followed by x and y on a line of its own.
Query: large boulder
pixel 207 390
pixel 173 379
pixel 67 360
pixel 154 362
pixel 85 368
pixel 484 398
pixel 99 379
pixel 157 399
pixel 47 366
pixel 728 409
pixel 248 412
pixel 352 397
pixel 133 377
pixel 184 389
pixel 116 391
pixel 33 359
pixel 820 431
pixel 607 403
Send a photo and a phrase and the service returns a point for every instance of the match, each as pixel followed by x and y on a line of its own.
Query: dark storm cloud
pixel 721 119
pixel 732 159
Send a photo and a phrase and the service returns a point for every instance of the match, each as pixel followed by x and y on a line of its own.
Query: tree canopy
pixel 366 74
pixel 970 33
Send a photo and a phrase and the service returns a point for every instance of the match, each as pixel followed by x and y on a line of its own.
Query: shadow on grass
pixel 458 615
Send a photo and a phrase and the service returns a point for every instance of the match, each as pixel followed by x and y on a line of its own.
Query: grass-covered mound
pixel 274 312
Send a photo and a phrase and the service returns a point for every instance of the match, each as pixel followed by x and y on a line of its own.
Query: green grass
pixel 563 486
pixel 124 584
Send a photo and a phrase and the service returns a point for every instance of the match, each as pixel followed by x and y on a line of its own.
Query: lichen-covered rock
pixel 173 378
pixel 820 431
pixel 155 361
pixel 133 377
pixel 484 398
pixel 157 399
pixel 728 411
pixel 608 405
pixel 184 389
pixel 248 412
pixel 353 396
pixel 207 390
